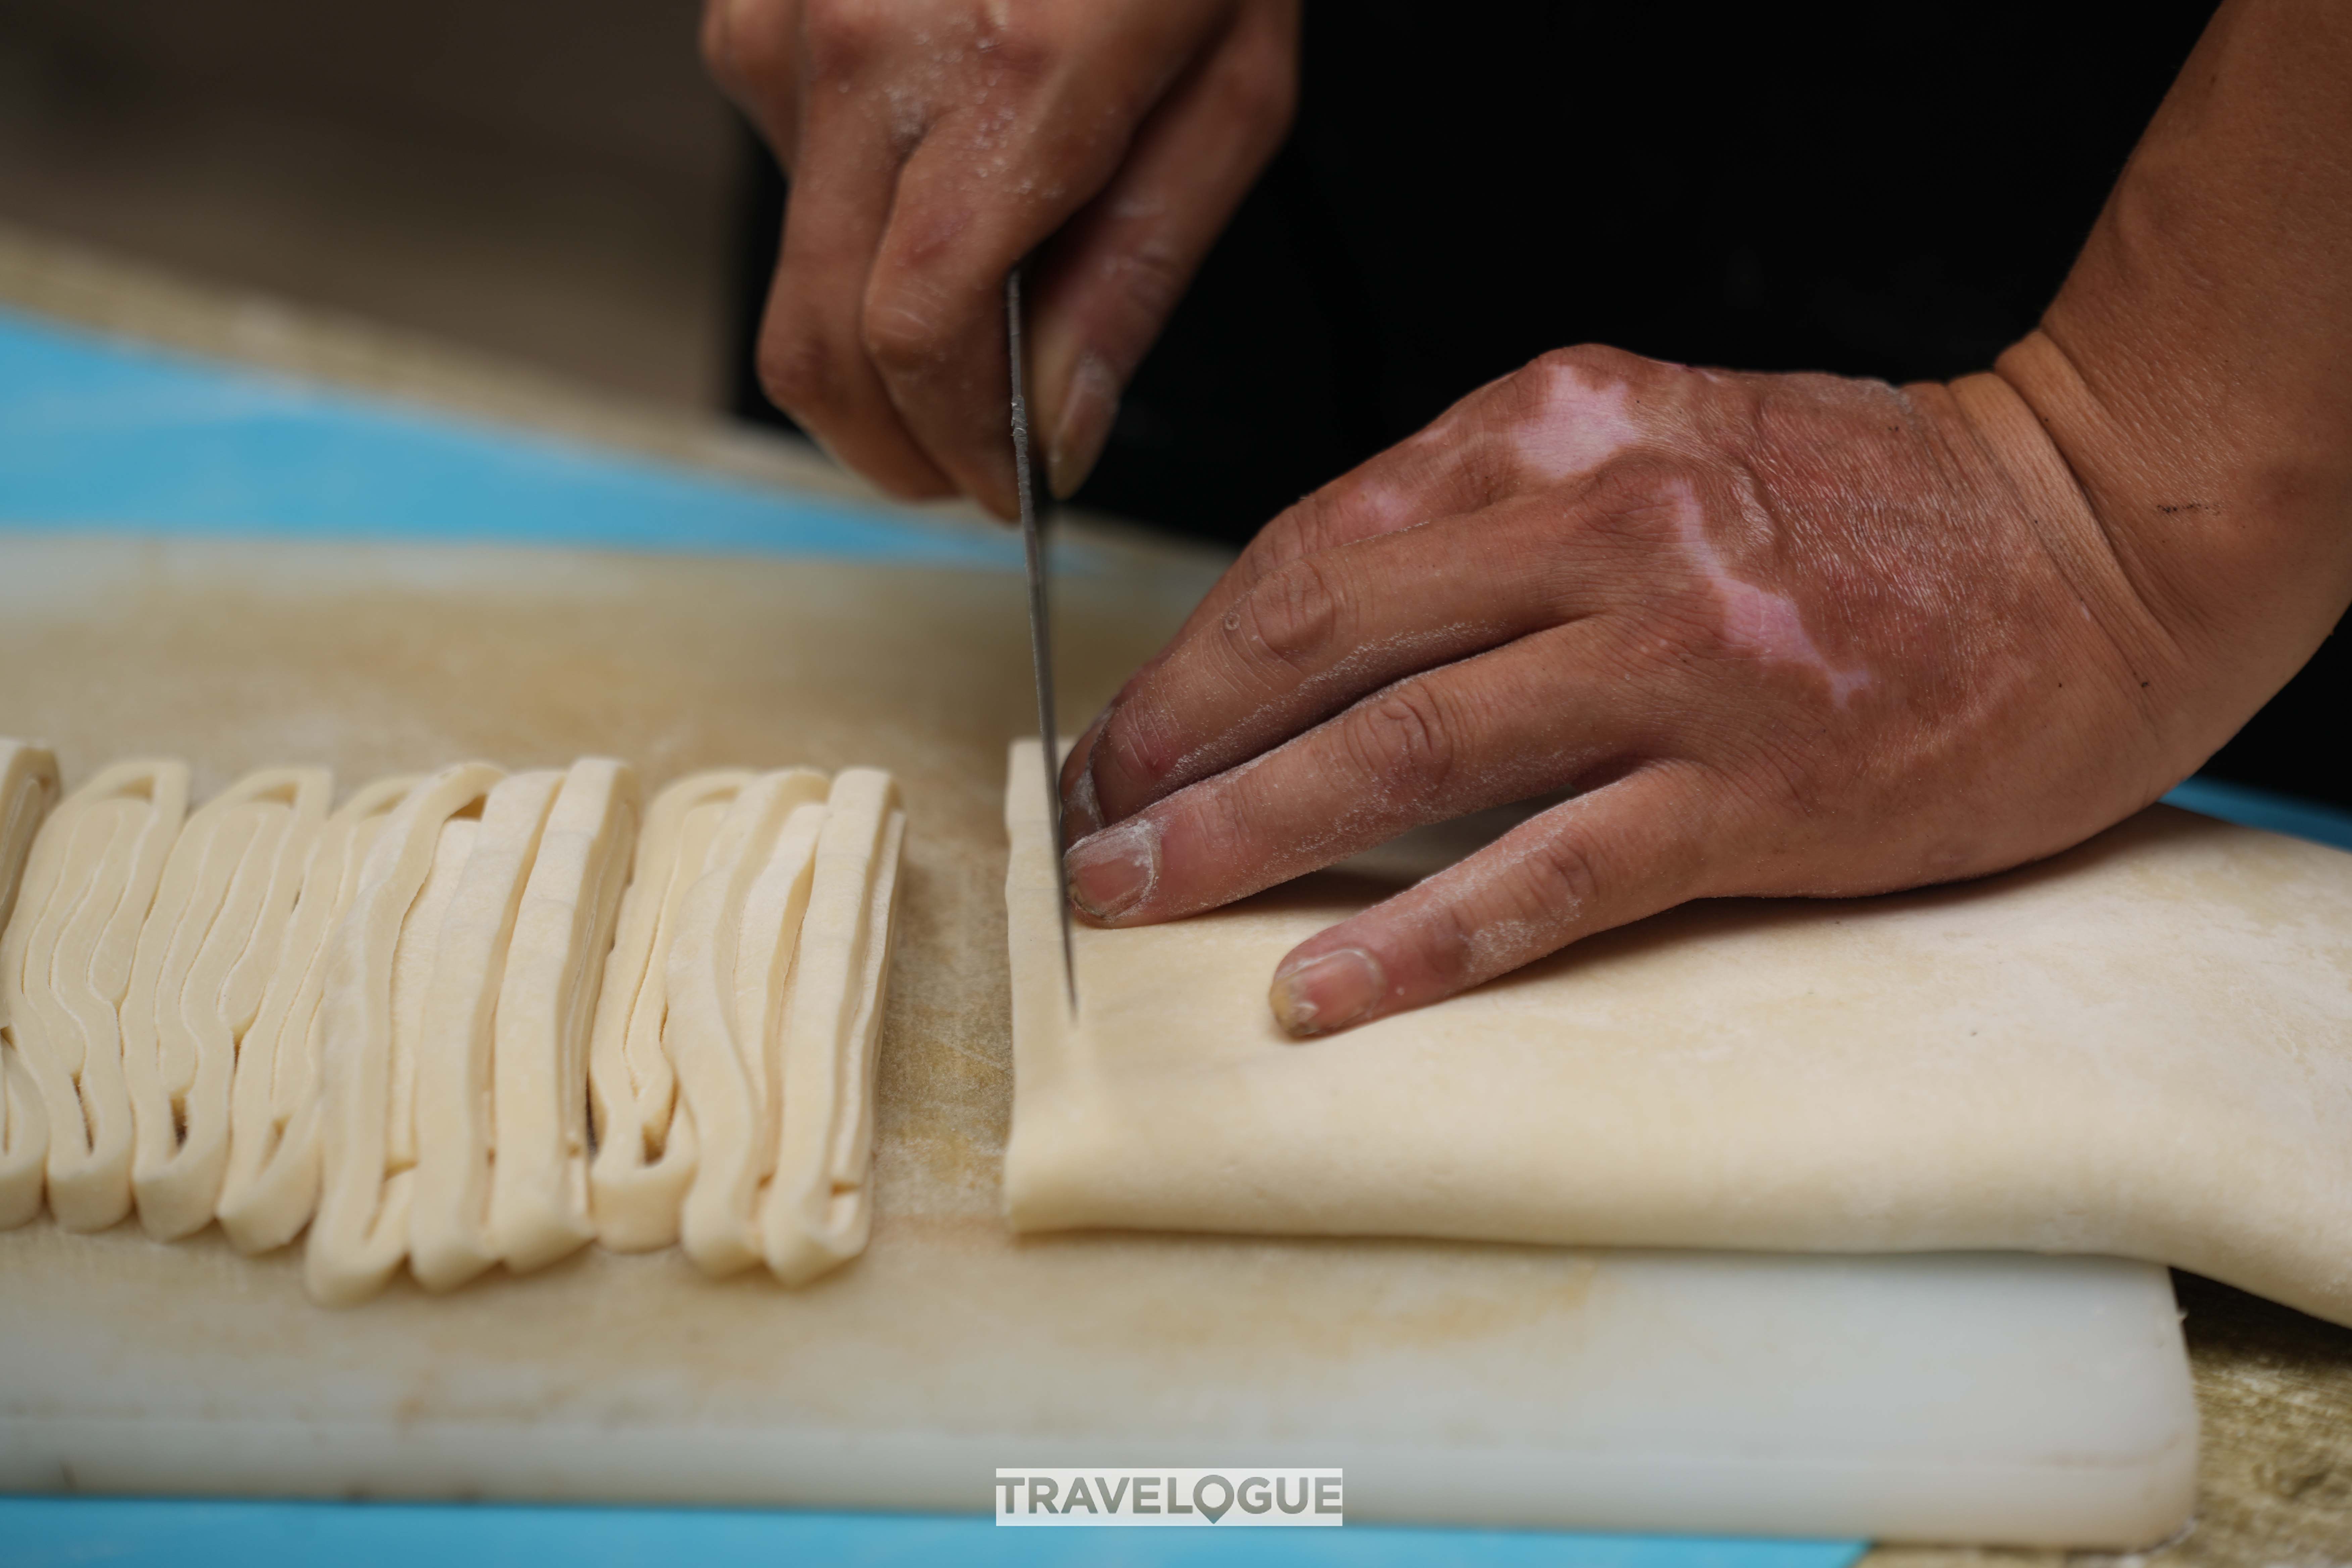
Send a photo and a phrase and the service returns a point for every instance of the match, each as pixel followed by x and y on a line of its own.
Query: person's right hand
pixel 932 144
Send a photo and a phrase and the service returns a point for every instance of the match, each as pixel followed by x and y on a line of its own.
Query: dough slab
pixel 546 1007
pixel 206 952
pixel 379 971
pixel 645 1147
pixel 2142 1047
pixel 28 793
pixel 271 1183
pixel 65 964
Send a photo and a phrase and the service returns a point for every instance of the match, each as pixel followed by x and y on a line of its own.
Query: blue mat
pixel 46 1533
pixel 97 433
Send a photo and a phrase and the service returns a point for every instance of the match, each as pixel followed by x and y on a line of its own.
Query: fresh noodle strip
pixel 197 981
pixel 379 968
pixel 817 1211
pixel 28 793
pixel 645 1145
pixel 555 966
pixel 721 1076
pixel 449 1217
pixel 766 952
pixel 96 864
pixel 271 1183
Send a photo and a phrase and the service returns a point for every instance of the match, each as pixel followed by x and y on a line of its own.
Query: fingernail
pixel 1085 425
pixel 1081 812
pixel 1113 871
pixel 1328 992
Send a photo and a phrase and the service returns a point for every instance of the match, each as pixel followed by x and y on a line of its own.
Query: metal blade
pixel 1041 641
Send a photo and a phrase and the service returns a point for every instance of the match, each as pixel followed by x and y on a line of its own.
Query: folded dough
pixel 391 1023
pixel 271 1181
pixel 204 955
pixel 723 1071
pixel 2143 1046
pixel 66 966
pixel 378 976
pixel 28 793
pixel 818 1207
pixel 555 965
pixel 645 1139
pixel 449 1210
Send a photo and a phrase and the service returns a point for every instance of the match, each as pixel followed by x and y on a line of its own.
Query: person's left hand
pixel 1781 635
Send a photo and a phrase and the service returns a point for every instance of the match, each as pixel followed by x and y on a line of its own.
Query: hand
pixel 1780 635
pixel 931 145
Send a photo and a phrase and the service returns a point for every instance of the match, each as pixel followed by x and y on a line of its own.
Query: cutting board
pixel 1982 1398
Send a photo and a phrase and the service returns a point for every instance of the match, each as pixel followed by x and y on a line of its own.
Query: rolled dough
pixel 2141 1047
pixel 379 970
pixel 449 1214
pixel 646 1151
pixel 386 1022
pixel 818 1209
pixel 204 955
pixel 28 793
pixel 66 961
pixel 539 1186
pixel 271 1183
pixel 721 1069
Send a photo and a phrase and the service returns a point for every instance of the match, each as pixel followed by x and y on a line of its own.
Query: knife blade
pixel 1041 643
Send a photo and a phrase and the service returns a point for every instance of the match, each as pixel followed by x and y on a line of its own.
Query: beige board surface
pixel 1465 1382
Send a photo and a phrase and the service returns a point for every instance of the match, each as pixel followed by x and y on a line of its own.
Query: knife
pixel 1041 643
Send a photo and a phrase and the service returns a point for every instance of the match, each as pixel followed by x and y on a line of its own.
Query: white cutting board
pixel 2003 1399
pixel 2020 1400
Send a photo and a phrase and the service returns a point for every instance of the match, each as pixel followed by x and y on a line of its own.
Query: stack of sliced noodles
pixel 468 1019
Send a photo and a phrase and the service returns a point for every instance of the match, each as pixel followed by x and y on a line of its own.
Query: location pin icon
pixel 1217 1513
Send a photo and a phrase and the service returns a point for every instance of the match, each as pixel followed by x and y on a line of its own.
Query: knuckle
pixel 798 370
pixel 1314 522
pixel 1560 880
pixel 744 43
pixel 1594 360
pixel 844 36
pixel 1137 750
pixel 1151 276
pixel 1290 620
pixel 898 336
pixel 1405 739
pixel 1022 49
pixel 1260 91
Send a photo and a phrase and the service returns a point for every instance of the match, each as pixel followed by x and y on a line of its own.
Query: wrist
pixel 2236 542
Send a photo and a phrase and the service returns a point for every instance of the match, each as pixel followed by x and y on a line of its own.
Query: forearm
pixel 2195 373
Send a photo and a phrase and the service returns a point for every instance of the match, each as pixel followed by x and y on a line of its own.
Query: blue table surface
pixel 104 435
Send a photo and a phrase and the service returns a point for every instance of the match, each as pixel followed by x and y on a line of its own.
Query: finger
pixel 988 182
pixel 1361 505
pixel 813 361
pixel 1451 740
pixel 1114 273
pixel 1554 428
pixel 749 49
pixel 1624 851
pixel 1310 638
